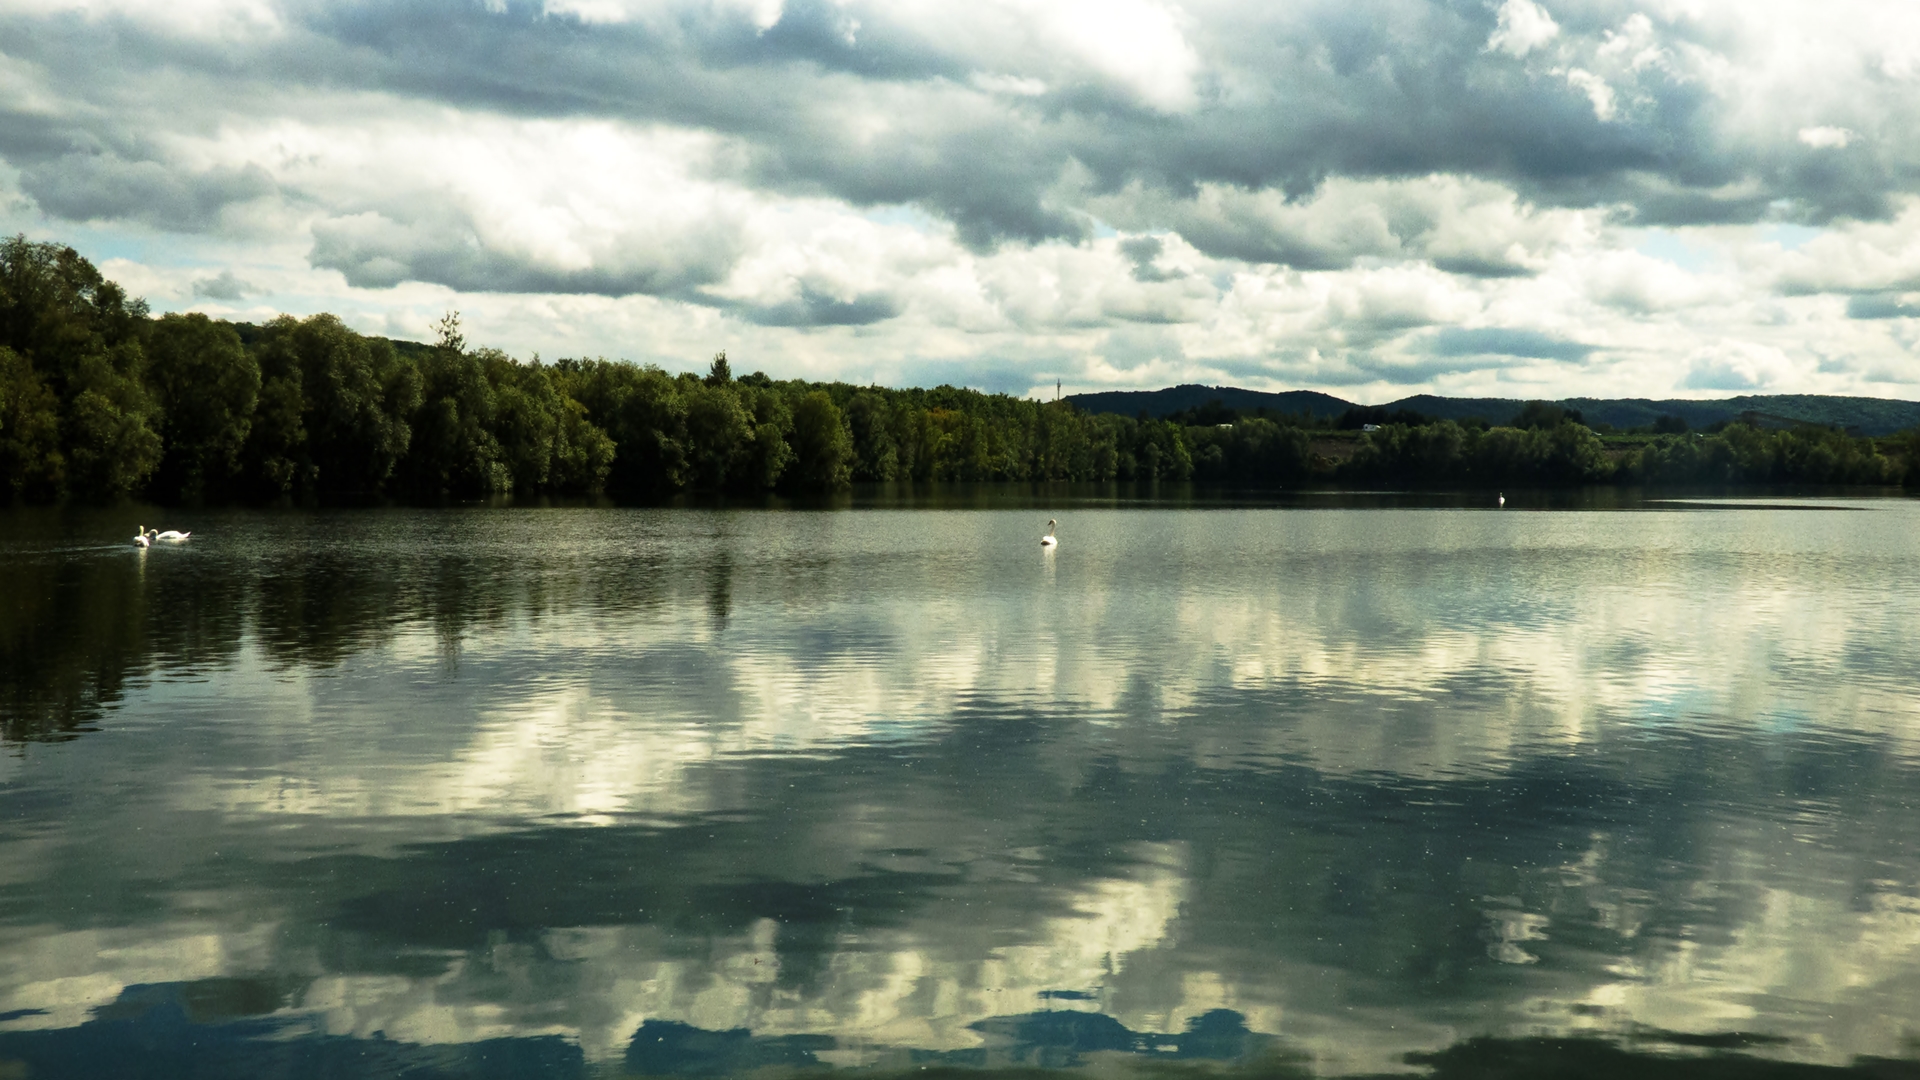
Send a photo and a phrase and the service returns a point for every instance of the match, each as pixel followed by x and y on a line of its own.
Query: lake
pixel 1339 787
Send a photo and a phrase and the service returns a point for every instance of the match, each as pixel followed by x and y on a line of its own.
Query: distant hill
pixel 1192 396
pixel 1861 415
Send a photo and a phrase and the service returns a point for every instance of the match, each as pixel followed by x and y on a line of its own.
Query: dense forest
pixel 99 400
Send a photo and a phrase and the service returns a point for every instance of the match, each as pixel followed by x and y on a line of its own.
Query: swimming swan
pixel 1502 500
pixel 173 537
pixel 140 537
pixel 1048 540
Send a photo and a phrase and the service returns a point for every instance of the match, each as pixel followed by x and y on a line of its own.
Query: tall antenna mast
pixel 1056 389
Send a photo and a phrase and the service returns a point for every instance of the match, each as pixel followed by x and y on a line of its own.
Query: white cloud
pixel 1739 366
pixel 764 14
pixel 1523 27
pixel 1009 84
pixel 1824 138
pixel 1137 44
pixel 1635 282
pixel 937 195
pixel 1598 92
pixel 190 18
pixel 1856 257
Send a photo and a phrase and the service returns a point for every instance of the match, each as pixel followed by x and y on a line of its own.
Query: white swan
pixel 1048 540
pixel 140 537
pixel 172 537
pixel 1502 500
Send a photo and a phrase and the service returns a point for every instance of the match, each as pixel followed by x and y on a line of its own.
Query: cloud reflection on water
pixel 1374 780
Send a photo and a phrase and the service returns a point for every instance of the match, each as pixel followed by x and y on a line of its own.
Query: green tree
pixel 112 446
pixel 453 450
pixel 876 453
pixel 527 413
pixel 822 450
pixel 583 454
pixel 642 411
pixel 768 455
pixel 355 397
pixel 719 433
pixel 81 335
pixel 31 464
pixel 208 388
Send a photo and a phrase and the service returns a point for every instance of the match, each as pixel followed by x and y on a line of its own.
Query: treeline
pixel 1570 453
pixel 99 400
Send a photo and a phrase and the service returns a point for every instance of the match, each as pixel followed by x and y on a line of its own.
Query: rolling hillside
pixel 1864 416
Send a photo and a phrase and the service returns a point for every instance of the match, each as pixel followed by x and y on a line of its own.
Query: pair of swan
pixel 144 536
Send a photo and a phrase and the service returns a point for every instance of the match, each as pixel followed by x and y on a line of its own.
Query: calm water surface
pixel 603 792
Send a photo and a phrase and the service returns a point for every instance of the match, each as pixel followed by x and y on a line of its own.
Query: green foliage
pixel 769 454
pixel 358 400
pixel 719 433
pixel 1540 415
pixel 98 400
pixel 1743 454
pixel 207 386
pixel 81 337
pixel 546 441
pixel 31 464
pixel 822 449
pixel 871 425
pixel 454 450
pixel 275 457
pixel 112 446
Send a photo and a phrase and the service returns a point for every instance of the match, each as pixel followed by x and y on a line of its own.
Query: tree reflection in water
pixel 689 792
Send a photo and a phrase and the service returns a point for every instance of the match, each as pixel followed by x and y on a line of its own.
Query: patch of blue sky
pixel 102 242
pixel 1681 250
pixel 1788 237
pixel 908 215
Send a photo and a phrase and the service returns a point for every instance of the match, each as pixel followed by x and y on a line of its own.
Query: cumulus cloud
pixel 1305 194
pixel 1823 138
pixel 1505 341
pixel 106 187
pixel 1737 366
pixel 222 286
pixel 1883 306
pixel 1523 27
pixel 1860 258
pixel 1461 225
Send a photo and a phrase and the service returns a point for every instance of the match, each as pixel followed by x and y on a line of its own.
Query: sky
pixel 1514 198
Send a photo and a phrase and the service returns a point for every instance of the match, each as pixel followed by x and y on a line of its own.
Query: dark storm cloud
pixel 1412 371
pixel 1475 266
pixel 105 187
pixel 1881 306
pixel 1142 251
pixel 814 308
pixel 222 286
pixel 785 92
pixel 1504 341
pixel 1285 97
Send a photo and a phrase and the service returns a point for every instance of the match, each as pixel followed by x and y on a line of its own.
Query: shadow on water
pixel 79 617
pixel 827 769
pixel 245 1030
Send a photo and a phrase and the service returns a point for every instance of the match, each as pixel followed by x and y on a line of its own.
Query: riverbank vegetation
pixel 99 400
